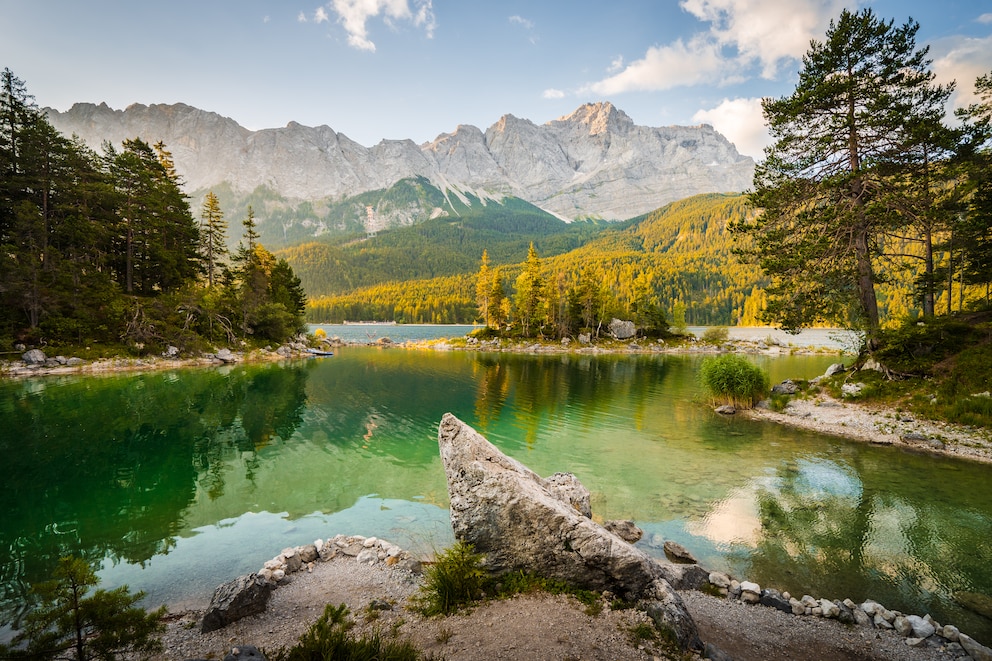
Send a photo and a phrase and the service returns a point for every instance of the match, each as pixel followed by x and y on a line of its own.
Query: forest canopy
pixel 104 248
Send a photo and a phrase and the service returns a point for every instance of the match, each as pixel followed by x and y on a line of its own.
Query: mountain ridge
pixel 593 163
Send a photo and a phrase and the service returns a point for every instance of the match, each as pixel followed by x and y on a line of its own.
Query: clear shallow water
pixel 173 482
pixel 830 338
pixel 371 333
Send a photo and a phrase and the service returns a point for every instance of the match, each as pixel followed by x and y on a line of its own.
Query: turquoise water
pixel 173 482
pixel 371 333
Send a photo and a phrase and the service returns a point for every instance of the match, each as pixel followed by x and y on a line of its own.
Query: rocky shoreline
pixel 880 426
pixel 376 580
pixel 35 362
pixel 747 623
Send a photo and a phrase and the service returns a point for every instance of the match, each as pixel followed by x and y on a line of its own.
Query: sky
pixel 415 69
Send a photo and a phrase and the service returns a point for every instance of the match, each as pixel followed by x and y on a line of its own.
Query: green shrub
pixel 643 632
pixel 715 335
pixel 328 638
pixel 484 333
pixel 732 379
pixel 455 579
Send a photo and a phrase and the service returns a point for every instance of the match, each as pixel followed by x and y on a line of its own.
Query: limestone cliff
pixel 593 163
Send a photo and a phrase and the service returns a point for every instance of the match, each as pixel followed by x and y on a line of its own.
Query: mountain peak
pixel 600 117
pixel 592 163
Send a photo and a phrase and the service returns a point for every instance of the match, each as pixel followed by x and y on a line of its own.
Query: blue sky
pixel 392 69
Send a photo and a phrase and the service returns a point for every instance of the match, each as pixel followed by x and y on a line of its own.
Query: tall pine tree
pixel 840 141
pixel 213 236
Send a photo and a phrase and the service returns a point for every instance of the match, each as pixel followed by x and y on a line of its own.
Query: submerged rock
pixel 520 521
pixel 678 553
pixel 625 530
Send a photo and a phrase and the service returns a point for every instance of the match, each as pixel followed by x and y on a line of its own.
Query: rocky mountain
pixel 593 163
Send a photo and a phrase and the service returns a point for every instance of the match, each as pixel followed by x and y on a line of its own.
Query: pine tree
pixel 156 243
pixel 528 292
pixel 483 287
pixel 974 230
pixel 72 624
pixel 498 303
pixel 840 142
pixel 250 235
pixel 213 236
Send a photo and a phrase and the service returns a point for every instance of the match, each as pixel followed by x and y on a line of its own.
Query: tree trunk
pixel 950 270
pixel 929 282
pixel 866 279
pixel 129 264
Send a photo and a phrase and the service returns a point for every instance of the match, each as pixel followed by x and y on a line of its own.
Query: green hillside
pixel 679 256
pixel 437 247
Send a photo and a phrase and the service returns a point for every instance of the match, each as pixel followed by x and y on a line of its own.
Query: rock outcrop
pixel 594 162
pixel 245 595
pixel 520 521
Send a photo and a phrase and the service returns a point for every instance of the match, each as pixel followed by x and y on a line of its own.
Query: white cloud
pixel 616 64
pixel 353 15
pixel 766 32
pixel 301 18
pixel 742 122
pixel 665 67
pixel 553 94
pixel 984 18
pixel 320 16
pixel 963 60
pixel 520 20
pixel 741 34
pixel 527 25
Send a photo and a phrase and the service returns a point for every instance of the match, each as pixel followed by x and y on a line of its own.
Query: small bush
pixel 484 333
pixel 455 579
pixel 732 379
pixel 643 632
pixel 328 638
pixel 778 402
pixel 715 335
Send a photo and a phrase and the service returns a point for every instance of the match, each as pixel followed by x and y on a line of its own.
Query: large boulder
pixel 622 330
pixel 34 357
pixel 521 522
pixel 245 595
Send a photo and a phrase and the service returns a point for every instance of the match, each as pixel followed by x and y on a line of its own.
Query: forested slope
pixel 679 255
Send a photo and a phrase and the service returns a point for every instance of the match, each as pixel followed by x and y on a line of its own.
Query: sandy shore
pixel 881 426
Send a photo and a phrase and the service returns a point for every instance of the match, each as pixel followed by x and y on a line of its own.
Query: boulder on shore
pixel 34 357
pixel 521 522
pixel 245 595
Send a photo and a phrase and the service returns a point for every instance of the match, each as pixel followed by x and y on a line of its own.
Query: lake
pixel 175 481
pixel 830 338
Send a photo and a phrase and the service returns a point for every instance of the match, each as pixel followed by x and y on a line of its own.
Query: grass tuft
pixel 329 638
pixel 455 579
pixel 733 379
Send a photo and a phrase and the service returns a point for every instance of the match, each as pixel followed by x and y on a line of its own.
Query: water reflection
pixel 863 524
pixel 147 474
pixel 103 468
